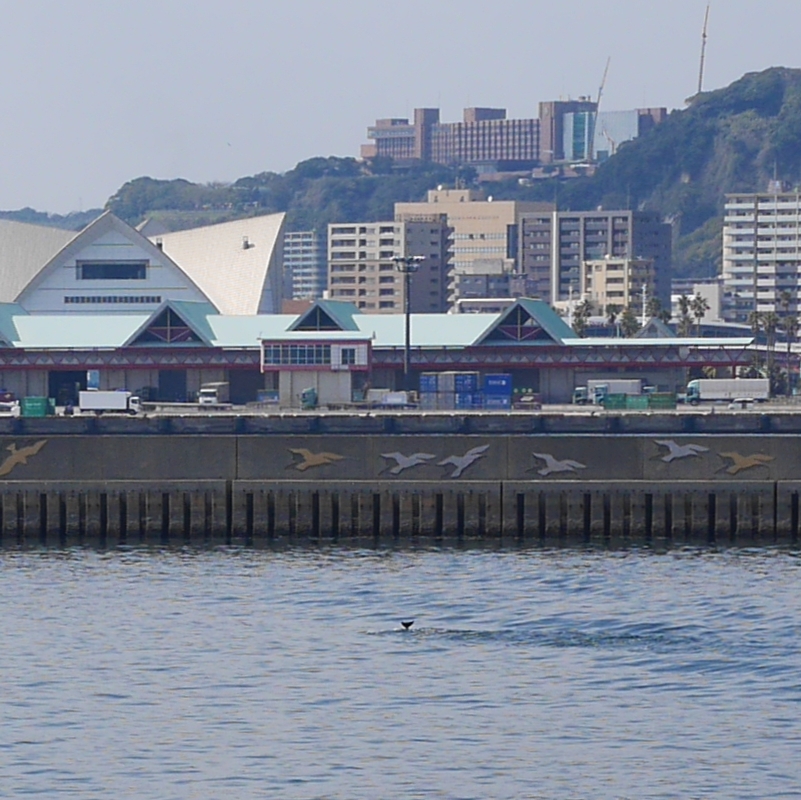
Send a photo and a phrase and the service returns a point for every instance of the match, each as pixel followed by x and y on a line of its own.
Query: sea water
pixel 526 674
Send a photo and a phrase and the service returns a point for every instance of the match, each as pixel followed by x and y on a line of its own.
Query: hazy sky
pixel 98 92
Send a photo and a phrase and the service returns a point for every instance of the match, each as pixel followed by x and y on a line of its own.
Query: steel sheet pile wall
pixel 395 490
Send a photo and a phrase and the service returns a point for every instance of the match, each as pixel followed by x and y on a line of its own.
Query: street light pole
pixel 406 265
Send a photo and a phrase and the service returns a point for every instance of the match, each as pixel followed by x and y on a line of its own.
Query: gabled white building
pixel 109 267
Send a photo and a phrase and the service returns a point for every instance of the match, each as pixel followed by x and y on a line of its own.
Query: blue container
pixel 478 400
pixel 464 400
pixel 428 382
pixel 466 381
pixel 498 384
pixel 496 402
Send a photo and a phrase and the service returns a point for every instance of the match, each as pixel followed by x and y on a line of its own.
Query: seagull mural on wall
pixel 406 462
pixel 676 451
pixel 552 464
pixel 740 462
pixel 309 459
pixel 463 462
pixel 20 456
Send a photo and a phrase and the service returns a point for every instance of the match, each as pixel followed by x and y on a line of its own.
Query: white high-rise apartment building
pixel 305 264
pixel 772 220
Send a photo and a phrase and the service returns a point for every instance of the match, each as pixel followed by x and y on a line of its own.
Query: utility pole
pixel 406 265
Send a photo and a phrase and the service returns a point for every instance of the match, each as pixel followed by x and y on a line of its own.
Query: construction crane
pixel 594 117
pixel 703 50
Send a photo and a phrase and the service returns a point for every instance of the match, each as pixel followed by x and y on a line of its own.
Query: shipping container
pixel 466 382
pixel 428 382
pixel 498 384
pixel 495 402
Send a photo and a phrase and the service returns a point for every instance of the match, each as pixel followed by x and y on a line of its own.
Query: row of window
pixel 112 299
pixel 111 270
pixel 297 354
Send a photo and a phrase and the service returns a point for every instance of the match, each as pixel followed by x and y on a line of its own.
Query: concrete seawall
pixel 63 485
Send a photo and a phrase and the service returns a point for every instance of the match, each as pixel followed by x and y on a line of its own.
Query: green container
pixel 34 406
pixel 662 400
pixel 637 402
pixel 615 401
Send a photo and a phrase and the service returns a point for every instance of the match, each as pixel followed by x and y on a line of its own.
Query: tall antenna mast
pixel 703 50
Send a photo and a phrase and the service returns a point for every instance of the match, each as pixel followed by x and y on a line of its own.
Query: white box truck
pixel 214 394
pixel 711 389
pixel 109 402
pixel 596 390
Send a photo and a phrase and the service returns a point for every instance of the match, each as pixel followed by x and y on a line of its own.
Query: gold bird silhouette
pixel 313 459
pixel 20 456
pixel 746 462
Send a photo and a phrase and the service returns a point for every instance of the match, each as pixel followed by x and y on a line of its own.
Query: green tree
pixel 685 321
pixel 629 322
pixel 612 312
pixel 698 307
pixel 581 316
pixel 653 307
pixel 790 325
pixel 770 324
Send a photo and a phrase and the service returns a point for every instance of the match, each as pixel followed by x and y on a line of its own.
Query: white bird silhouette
pixel 405 462
pixel 463 462
pixel 680 450
pixel 554 465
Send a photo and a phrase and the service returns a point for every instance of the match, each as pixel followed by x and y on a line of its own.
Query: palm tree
pixel 581 317
pixel 684 315
pixel 612 311
pixel 755 321
pixel 790 326
pixel 770 324
pixel 699 307
pixel 629 322
pixel 653 307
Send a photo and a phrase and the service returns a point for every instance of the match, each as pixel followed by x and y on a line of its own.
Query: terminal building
pixel 162 316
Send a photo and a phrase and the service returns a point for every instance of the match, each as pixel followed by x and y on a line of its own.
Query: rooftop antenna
pixel 594 117
pixel 703 50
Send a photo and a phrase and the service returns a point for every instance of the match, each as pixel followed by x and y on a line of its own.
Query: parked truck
pixel 109 402
pixel 596 390
pixel 711 389
pixel 212 394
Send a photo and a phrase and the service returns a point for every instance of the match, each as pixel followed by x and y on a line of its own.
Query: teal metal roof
pixel 341 313
pixel 427 330
pixel 8 328
pixel 111 331
pixel 76 331
pixel 248 331
pixel 550 321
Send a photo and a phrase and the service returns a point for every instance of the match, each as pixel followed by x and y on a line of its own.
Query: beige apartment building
pixel 362 270
pixel 617 281
pixel 484 235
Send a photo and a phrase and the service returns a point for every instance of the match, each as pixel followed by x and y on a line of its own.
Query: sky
pixel 94 93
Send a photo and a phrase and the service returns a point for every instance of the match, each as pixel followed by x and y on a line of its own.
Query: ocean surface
pixel 535 674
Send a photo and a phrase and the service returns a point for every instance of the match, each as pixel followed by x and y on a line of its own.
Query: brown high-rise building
pixel 554 246
pixel 484 137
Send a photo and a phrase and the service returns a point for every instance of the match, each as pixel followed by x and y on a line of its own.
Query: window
pixel 348 356
pixel 297 354
pixel 113 299
pixel 112 270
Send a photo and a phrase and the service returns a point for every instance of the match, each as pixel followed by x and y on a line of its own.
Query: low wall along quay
pixel 76 482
